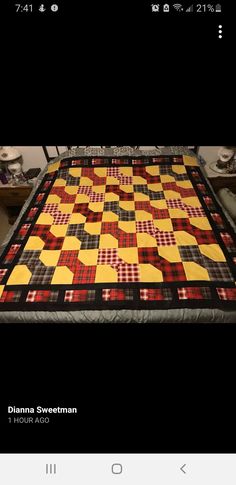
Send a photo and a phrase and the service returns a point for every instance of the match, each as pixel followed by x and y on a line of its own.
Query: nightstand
pixel 220 181
pixel 13 198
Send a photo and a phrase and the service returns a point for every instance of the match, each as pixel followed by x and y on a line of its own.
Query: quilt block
pixel 125 232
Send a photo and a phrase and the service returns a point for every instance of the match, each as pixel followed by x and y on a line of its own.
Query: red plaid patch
pixel 146 226
pixel 84 190
pixel 23 231
pixel 10 296
pixel 97 197
pixel 218 220
pixel 203 237
pixel 113 171
pixel 126 240
pixel 82 209
pixel 187 192
pixel 79 295
pixel 2 273
pixel 52 242
pixel 165 238
pixel 94 216
pixel 209 203
pixel 115 294
pixel 41 296
pixel 108 256
pixel 84 274
pixel 181 225
pixel 201 188
pixel 125 180
pixel 69 259
pixel 171 186
pixel 175 204
pixel 128 273
pixel 194 212
pixel 11 253
pixel 149 256
pixel 172 271
pixel 194 293
pixel 50 208
pixel 229 243
pixel 226 293
pixel 153 294
pixel 159 213
pixel 110 228
pixel 39 198
pixel 32 213
pixel 61 219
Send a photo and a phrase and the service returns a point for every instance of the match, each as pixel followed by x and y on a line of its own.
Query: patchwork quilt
pixel 127 232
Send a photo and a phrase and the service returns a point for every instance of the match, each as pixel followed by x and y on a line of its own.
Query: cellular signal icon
pixel 190 9
pixel 178 7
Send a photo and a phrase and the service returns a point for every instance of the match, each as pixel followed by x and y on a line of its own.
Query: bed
pixel 120 235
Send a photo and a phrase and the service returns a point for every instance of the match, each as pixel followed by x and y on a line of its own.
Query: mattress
pixel 125 238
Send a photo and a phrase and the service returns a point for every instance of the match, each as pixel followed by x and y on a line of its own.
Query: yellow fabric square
pixel 170 253
pixel 59 183
pixel 34 243
pixel 99 189
pixel 212 251
pixel 100 172
pixel 127 188
pixel 93 227
pixel 163 224
pixel 108 241
pixel 149 274
pixel 88 257
pixel 165 179
pixel 171 194
pixel 85 181
pixel 145 240
pixel 143 216
pixel 155 170
pixel 138 197
pixel 111 197
pixel 192 161
pixel 184 239
pixel 127 226
pixel 179 169
pixel 155 187
pixel 96 206
pixel 71 189
pixel 128 255
pixel 192 201
pixel 20 275
pixel 59 230
pixel 66 208
pixel 112 181
pixel 53 199
pixel 178 214
pixel 53 167
pixel 127 205
pixel 126 171
pixel 159 204
pixel 185 184
pixel 106 274
pixel 75 172
pixel 81 199
pixel 201 223
pixel 62 276
pixel 45 219
pixel 109 216
pixel 70 243
pixel 1 290
pixel 77 218
pixel 139 180
pixel 196 272
pixel 49 257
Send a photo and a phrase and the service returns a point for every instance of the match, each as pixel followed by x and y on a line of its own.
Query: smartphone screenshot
pixel 117 263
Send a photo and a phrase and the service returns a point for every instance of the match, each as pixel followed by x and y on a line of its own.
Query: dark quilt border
pixel 136 303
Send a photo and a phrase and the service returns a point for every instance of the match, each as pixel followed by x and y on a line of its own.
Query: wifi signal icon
pixel 178 7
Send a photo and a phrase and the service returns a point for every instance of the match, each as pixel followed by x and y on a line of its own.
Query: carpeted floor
pixel 4 225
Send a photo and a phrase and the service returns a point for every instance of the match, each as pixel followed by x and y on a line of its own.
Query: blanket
pixel 127 232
